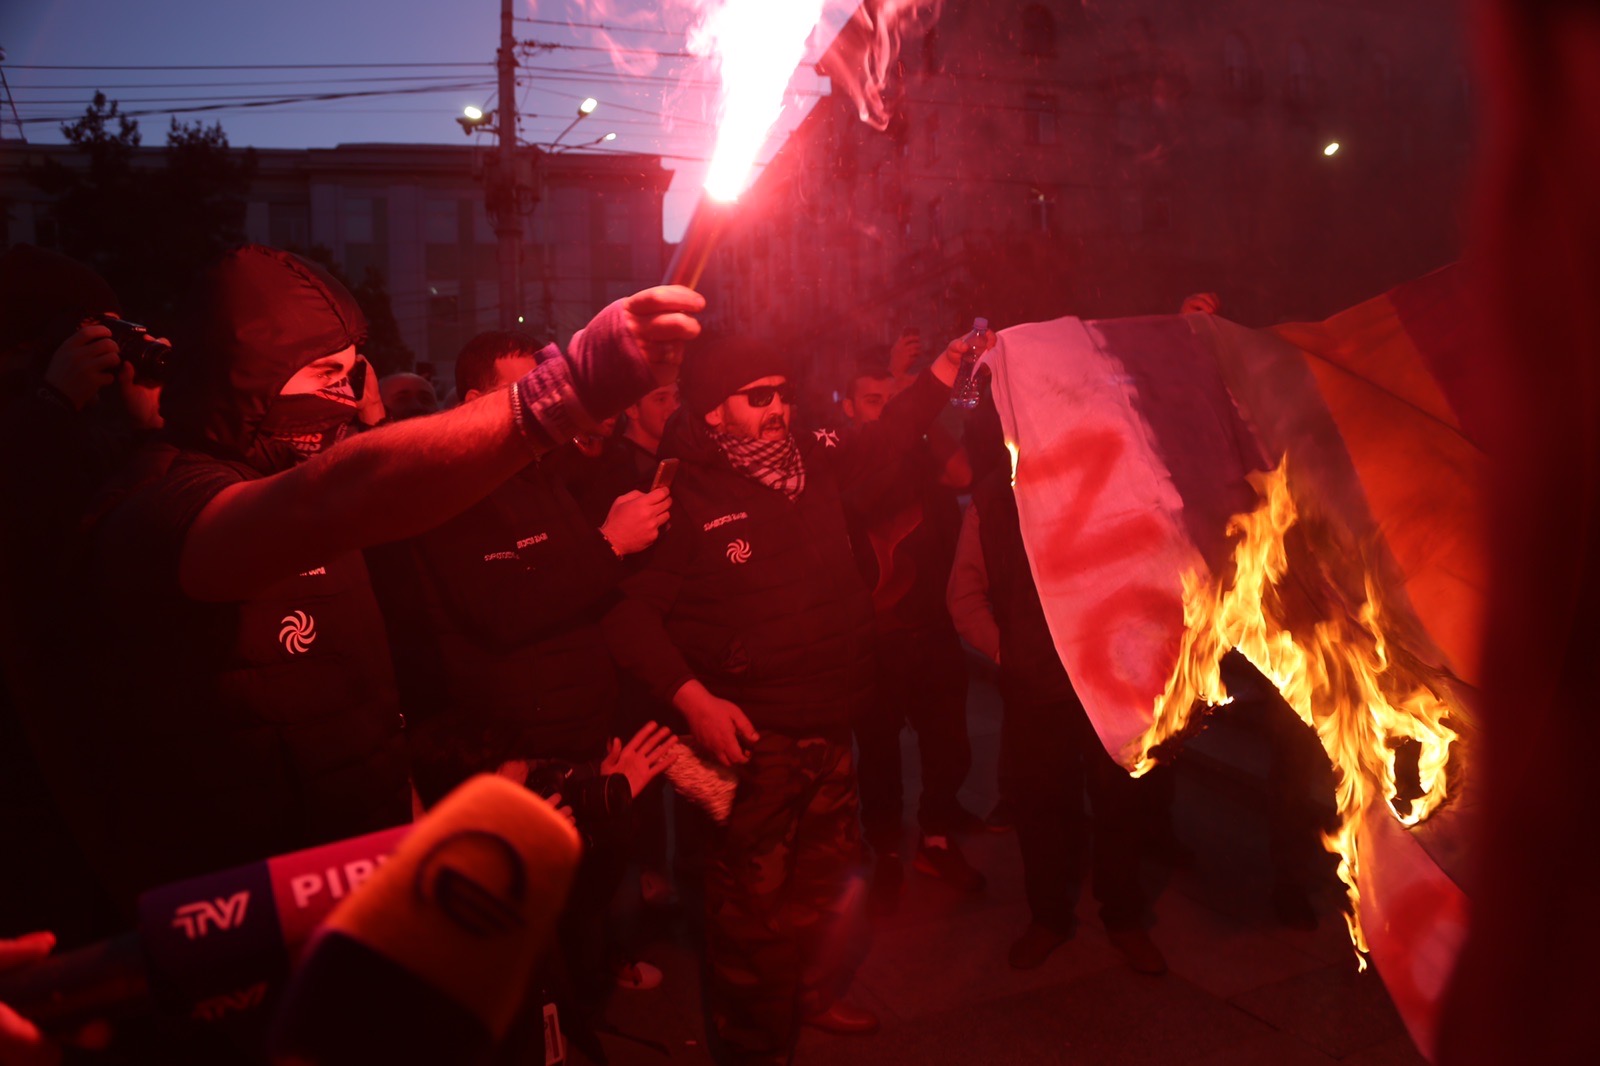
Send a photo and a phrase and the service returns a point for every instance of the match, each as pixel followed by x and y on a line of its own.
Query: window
pixel 1038 32
pixel 1040 118
pixel 441 221
pixel 1383 77
pixel 616 222
pixel 930 139
pixel 358 221
pixel 289 225
pixel 1241 76
pixel 1300 73
pixel 1041 209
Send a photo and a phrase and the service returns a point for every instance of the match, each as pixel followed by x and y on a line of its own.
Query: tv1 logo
pixel 220 945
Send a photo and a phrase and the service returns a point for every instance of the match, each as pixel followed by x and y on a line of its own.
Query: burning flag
pixel 1307 495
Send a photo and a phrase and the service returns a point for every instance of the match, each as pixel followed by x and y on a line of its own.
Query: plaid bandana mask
pixel 774 463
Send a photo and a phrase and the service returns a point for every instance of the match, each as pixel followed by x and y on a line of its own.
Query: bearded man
pixel 752 619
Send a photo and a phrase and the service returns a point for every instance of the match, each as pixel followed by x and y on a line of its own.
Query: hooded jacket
pixel 759 596
pixel 237 730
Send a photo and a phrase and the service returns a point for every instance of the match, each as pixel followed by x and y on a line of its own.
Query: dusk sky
pixel 426 61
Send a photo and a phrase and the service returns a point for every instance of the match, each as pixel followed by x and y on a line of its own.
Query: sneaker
pixel 1000 818
pixel 843 1018
pixel 1035 944
pixel 939 857
pixel 1139 951
pixel 638 976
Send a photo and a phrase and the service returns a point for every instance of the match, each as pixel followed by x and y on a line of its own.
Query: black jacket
pixel 1031 673
pixel 237 730
pixel 906 541
pixel 758 596
pixel 494 624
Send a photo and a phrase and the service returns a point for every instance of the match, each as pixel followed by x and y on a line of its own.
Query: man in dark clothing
pixel 71 412
pixel 494 623
pixel 494 614
pixel 628 459
pixel 905 545
pixel 255 709
pixel 752 620
pixel 1050 750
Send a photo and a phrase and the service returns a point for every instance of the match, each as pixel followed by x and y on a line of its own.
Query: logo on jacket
pixel 198 919
pixel 299 632
pixel 738 551
pixel 827 437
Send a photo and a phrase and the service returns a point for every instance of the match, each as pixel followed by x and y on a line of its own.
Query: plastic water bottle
pixel 964 393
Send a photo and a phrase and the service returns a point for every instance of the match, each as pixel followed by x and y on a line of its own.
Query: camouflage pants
pixel 783 893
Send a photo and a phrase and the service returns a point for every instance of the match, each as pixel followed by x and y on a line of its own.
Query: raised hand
pixel 650 751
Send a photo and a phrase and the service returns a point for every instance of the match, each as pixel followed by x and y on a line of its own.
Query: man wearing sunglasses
pixel 753 620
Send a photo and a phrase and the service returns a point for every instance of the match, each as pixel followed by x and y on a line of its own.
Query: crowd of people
pixel 257 600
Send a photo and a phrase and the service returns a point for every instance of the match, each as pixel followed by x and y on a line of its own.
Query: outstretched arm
pixel 401 480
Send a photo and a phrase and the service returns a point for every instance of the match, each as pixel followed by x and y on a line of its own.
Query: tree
pixel 148 230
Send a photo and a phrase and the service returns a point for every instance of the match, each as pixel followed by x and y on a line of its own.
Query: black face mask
pixel 301 425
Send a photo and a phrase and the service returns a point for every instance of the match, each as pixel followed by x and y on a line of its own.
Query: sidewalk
pixel 1241 990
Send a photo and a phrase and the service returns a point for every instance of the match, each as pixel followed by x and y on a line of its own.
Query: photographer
pixel 75 400
pixel 252 708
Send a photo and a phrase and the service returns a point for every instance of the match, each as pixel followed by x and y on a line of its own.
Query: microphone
pixel 211 948
pixel 218 949
pixel 430 962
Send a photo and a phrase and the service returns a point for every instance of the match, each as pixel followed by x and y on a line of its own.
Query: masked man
pixel 251 705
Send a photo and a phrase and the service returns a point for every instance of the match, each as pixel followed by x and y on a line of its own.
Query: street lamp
pixel 473 119
pixel 585 109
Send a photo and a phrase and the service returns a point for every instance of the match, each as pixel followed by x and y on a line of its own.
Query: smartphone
pixel 664 474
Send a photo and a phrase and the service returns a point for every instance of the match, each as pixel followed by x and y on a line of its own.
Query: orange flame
pixel 756 46
pixel 1339 678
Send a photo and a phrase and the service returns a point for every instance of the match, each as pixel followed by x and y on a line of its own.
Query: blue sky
pixel 439 53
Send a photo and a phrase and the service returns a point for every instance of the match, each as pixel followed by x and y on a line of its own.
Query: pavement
pixel 1242 990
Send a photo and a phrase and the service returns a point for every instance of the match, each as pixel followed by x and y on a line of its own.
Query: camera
pixel 152 360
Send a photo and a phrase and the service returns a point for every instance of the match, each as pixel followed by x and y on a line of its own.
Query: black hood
pixel 256 319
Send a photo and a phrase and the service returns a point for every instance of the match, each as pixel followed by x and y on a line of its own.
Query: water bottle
pixel 964 393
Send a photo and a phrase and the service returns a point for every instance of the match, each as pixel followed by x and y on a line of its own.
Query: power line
pixel 248 66
pixel 107 86
pixel 300 99
pixel 601 26
pixel 611 50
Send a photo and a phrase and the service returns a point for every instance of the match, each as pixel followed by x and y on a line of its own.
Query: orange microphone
pixel 430 961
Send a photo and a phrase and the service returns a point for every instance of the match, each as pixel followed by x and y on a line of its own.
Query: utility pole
pixel 502 195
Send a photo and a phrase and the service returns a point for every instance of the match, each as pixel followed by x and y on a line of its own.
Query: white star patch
pixel 828 437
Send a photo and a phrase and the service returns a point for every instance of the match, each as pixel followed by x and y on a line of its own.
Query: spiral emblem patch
pixel 299 632
pixel 738 551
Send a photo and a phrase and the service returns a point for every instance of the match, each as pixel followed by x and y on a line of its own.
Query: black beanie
pixel 44 295
pixel 715 368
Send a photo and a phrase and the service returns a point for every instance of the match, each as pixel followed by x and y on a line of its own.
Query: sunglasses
pixel 762 395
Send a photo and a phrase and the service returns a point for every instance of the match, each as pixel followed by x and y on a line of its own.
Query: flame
pixel 1011 449
pixel 756 46
pixel 1339 678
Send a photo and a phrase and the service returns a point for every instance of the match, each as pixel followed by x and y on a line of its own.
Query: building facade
pixel 1097 159
pixel 415 213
